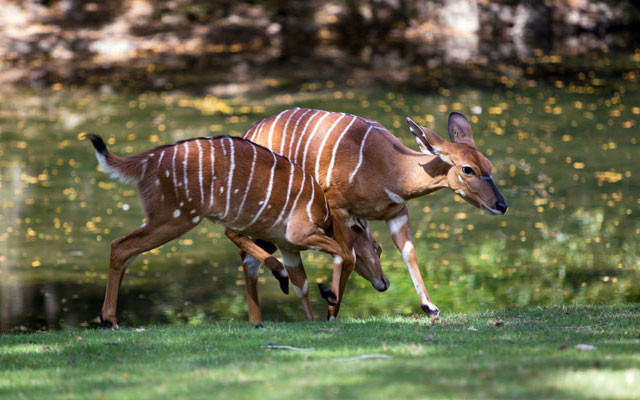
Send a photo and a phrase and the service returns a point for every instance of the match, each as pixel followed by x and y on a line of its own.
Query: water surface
pixel 565 154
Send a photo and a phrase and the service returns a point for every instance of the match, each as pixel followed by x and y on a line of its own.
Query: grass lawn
pixel 514 353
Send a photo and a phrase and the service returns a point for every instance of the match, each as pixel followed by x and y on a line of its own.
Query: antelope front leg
pixel 401 234
pixel 342 269
pixel 293 264
pixel 252 256
pixel 261 256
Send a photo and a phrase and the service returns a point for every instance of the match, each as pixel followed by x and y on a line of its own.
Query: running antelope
pixel 366 172
pixel 246 188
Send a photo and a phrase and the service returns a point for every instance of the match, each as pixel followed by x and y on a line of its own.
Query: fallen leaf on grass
pixel 140 330
pixel 585 347
pixel 472 328
pixel 285 347
pixel 363 357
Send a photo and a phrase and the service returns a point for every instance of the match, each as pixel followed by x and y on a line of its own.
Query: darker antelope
pixel 246 188
pixel 366 172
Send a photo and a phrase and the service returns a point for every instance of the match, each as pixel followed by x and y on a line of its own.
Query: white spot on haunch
pixel 192 212
pixel 181 203
pixel 166 173
pixel 196 219
pixel 157 182
pixel 396 198
pixel 176 213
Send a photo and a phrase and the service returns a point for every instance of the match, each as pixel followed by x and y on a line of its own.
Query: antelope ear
pixel 429 142
pixel 361 225
pixel 460 129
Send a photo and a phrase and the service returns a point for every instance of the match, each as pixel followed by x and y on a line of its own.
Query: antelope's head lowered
pixel 469 174
pixel 368 255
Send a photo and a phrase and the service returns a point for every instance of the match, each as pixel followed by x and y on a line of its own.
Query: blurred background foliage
pixel 551 88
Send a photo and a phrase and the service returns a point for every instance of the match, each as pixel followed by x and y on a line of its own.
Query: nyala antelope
pixel 243 186
pixel 368 173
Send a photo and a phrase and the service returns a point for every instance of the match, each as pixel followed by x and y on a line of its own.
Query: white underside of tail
pixel 114 173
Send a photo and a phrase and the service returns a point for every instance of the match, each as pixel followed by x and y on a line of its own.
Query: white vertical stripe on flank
pixel 301 137
pixel 364 139
pixel 267 197
pixel 273 125
pixel 230 181
pixel 173 167
pixel 248 188
pixel 213 172
pixel 322 144
pixel 160 158
pixel 286 203
pixel 295 202
pixel 258 133
pixel 295 129
pixel 186 179
pixel 200 171
pixel 335 150
pixel 252 131
pixel 308 141
pixel 284 130
pixel 310 203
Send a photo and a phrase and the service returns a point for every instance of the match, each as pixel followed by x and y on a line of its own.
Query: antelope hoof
pixel 431 310
pixel 259 325
pixel 327 294
pixel 284 282
pixel 107 324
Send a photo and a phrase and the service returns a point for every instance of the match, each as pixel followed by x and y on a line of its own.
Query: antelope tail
pixel 125 169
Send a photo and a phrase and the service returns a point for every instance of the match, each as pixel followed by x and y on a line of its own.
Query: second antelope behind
pixel 248 189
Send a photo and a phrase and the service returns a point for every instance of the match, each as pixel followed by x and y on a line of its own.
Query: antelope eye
pixel 468 170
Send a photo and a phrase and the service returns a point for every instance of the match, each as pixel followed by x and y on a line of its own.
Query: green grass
pixel 514 353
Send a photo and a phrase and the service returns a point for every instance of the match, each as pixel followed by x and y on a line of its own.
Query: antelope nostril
pixel 501 206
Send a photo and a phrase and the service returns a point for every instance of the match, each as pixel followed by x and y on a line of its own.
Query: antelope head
pixel 368 255
pixel 469 174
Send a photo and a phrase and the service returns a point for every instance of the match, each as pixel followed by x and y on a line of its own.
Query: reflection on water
pixel 563 153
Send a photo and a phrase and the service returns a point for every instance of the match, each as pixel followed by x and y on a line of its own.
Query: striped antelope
pixel 248 189
pixel 366 172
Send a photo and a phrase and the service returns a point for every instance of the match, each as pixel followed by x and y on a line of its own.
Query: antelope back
pixel 320 141
pixel 242 185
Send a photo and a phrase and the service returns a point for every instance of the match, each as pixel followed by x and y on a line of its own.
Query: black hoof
pixel 284 282
pixel 431 310
pixel 259 325
pixel 327 294
pixel 105 323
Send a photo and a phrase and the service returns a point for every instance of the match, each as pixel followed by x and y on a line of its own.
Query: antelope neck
pixel 419 174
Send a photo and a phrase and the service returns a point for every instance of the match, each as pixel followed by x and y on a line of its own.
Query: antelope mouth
pixel 492 211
